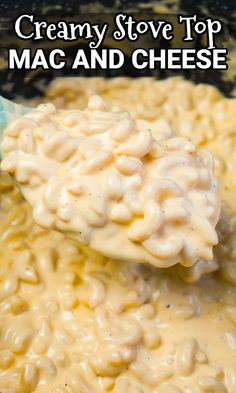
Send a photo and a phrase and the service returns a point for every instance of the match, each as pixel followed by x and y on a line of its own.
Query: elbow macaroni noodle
pixel 73 321
pixel 103 179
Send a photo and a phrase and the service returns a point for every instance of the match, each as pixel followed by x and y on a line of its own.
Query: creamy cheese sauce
pixel 72 321
pixel 102 178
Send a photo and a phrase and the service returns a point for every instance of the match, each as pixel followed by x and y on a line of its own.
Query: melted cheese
pixel 73 321
pixel 103 179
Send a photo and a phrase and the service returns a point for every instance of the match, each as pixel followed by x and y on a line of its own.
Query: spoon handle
pixel 9 111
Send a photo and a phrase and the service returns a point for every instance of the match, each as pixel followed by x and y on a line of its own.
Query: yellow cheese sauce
pixel 72 321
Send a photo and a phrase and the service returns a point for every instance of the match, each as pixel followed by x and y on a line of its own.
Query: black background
pixel 15 84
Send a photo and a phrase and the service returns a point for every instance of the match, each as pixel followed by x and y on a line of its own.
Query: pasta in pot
pixel 73 321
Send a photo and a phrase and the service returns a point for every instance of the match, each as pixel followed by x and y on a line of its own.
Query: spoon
pixel 127 188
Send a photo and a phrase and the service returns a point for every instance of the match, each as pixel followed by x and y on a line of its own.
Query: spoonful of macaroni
pixel 127 188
